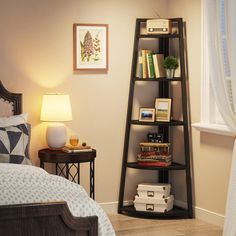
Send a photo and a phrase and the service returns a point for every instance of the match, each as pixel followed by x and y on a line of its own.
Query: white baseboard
pixel 200 213
pixel 209 216
pixel 204 214
pixel 111 207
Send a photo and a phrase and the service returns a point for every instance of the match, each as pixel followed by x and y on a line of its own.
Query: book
pixel 139 68
pixel 153 155
pixel 144 64
pixel 158 60
pixel 157 163
pixel 79 148
pixel 150 65
pixel 153 159
pixel 151 144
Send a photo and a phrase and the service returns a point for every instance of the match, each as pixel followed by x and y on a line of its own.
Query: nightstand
pixel 65 161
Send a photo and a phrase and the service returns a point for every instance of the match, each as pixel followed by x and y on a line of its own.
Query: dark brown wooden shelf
pixel 176 212
pixel 158 36
pixel 173 166
pixel 160 79
pixel 157 123
pixel 164 44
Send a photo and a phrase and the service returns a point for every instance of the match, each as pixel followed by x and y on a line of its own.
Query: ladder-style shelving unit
pixel 164 42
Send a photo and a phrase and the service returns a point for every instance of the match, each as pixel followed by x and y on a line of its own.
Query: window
pixel 211 120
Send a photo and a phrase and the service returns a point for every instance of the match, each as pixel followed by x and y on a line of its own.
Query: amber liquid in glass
pixel 74 140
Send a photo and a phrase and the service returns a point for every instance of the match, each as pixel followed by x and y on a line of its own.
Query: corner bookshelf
pixel 163 46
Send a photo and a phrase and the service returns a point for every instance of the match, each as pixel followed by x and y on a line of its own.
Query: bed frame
pixel 41 219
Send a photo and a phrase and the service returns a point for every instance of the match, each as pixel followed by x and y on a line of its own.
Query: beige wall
pixel 36 57
pixel 211 153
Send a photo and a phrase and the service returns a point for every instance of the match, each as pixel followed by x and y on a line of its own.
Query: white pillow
pixel 13 120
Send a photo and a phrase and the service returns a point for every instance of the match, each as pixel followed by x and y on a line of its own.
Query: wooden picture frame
pixel 163 109
pixel 146 114
pixel 90 47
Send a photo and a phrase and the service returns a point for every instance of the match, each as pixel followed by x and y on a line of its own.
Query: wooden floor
pixel 125 225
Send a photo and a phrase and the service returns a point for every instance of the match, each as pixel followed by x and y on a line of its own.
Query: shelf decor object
pixel 170 64
pixel 163 109
pixel 146 114
pixel 56 108
pixel 170 162
pixel 90 42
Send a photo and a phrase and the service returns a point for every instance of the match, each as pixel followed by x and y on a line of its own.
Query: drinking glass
pixel 74 140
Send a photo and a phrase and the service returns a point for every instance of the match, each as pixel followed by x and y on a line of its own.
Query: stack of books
pixel 78 148
pixel 149 64
pixel 154 154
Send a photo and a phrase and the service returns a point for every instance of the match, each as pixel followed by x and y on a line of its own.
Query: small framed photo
pixel 146 114
pixel 90 47
pixel 163 109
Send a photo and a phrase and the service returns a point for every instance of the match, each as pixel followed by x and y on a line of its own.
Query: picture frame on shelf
pixel 90 47
pixel 163 109
pixel 147 114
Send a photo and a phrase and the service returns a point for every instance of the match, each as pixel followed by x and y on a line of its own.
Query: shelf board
pixel 158 36
pixel 160 79
pixel 173 166
pixel 156 123
pixel 176 212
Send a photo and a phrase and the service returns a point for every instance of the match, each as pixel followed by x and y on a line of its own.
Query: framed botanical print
pixel 90 47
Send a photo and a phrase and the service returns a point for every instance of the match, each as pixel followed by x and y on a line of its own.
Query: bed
pixel 27 207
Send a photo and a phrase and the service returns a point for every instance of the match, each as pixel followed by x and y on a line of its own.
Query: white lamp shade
pixel 56 107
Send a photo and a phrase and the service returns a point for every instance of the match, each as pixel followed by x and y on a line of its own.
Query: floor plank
pixel 126 225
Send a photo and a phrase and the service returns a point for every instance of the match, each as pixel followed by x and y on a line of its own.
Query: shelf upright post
pixel 163 175
pixel 129 116
pixel 185 118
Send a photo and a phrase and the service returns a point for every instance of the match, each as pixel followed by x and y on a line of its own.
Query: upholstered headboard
pixel 10 103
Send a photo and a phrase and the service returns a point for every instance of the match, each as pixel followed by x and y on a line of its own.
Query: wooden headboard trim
pixel 15 98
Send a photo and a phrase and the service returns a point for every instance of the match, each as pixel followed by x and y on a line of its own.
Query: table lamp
pixel 56 108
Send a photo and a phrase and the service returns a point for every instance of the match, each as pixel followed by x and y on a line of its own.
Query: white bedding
pixel 29 184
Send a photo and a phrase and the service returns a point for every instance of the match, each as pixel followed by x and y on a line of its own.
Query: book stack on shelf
pixel 154 154
pixel 153 197
pixel 149 64
pixel 78 148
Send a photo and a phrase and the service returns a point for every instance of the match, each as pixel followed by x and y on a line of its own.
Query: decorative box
pixel 152 190
pixel 154 204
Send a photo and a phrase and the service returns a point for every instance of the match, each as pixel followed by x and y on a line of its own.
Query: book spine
pixel 160 164
pixel 144 64
pixel 156 67
pixel 150 144
pixel 150 65
pixel 139 69
pixel 74 151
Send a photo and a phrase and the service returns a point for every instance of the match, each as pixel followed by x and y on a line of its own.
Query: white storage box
pixel 152 190
pixel 153 204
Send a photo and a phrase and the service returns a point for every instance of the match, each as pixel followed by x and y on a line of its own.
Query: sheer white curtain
pixel 221 39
